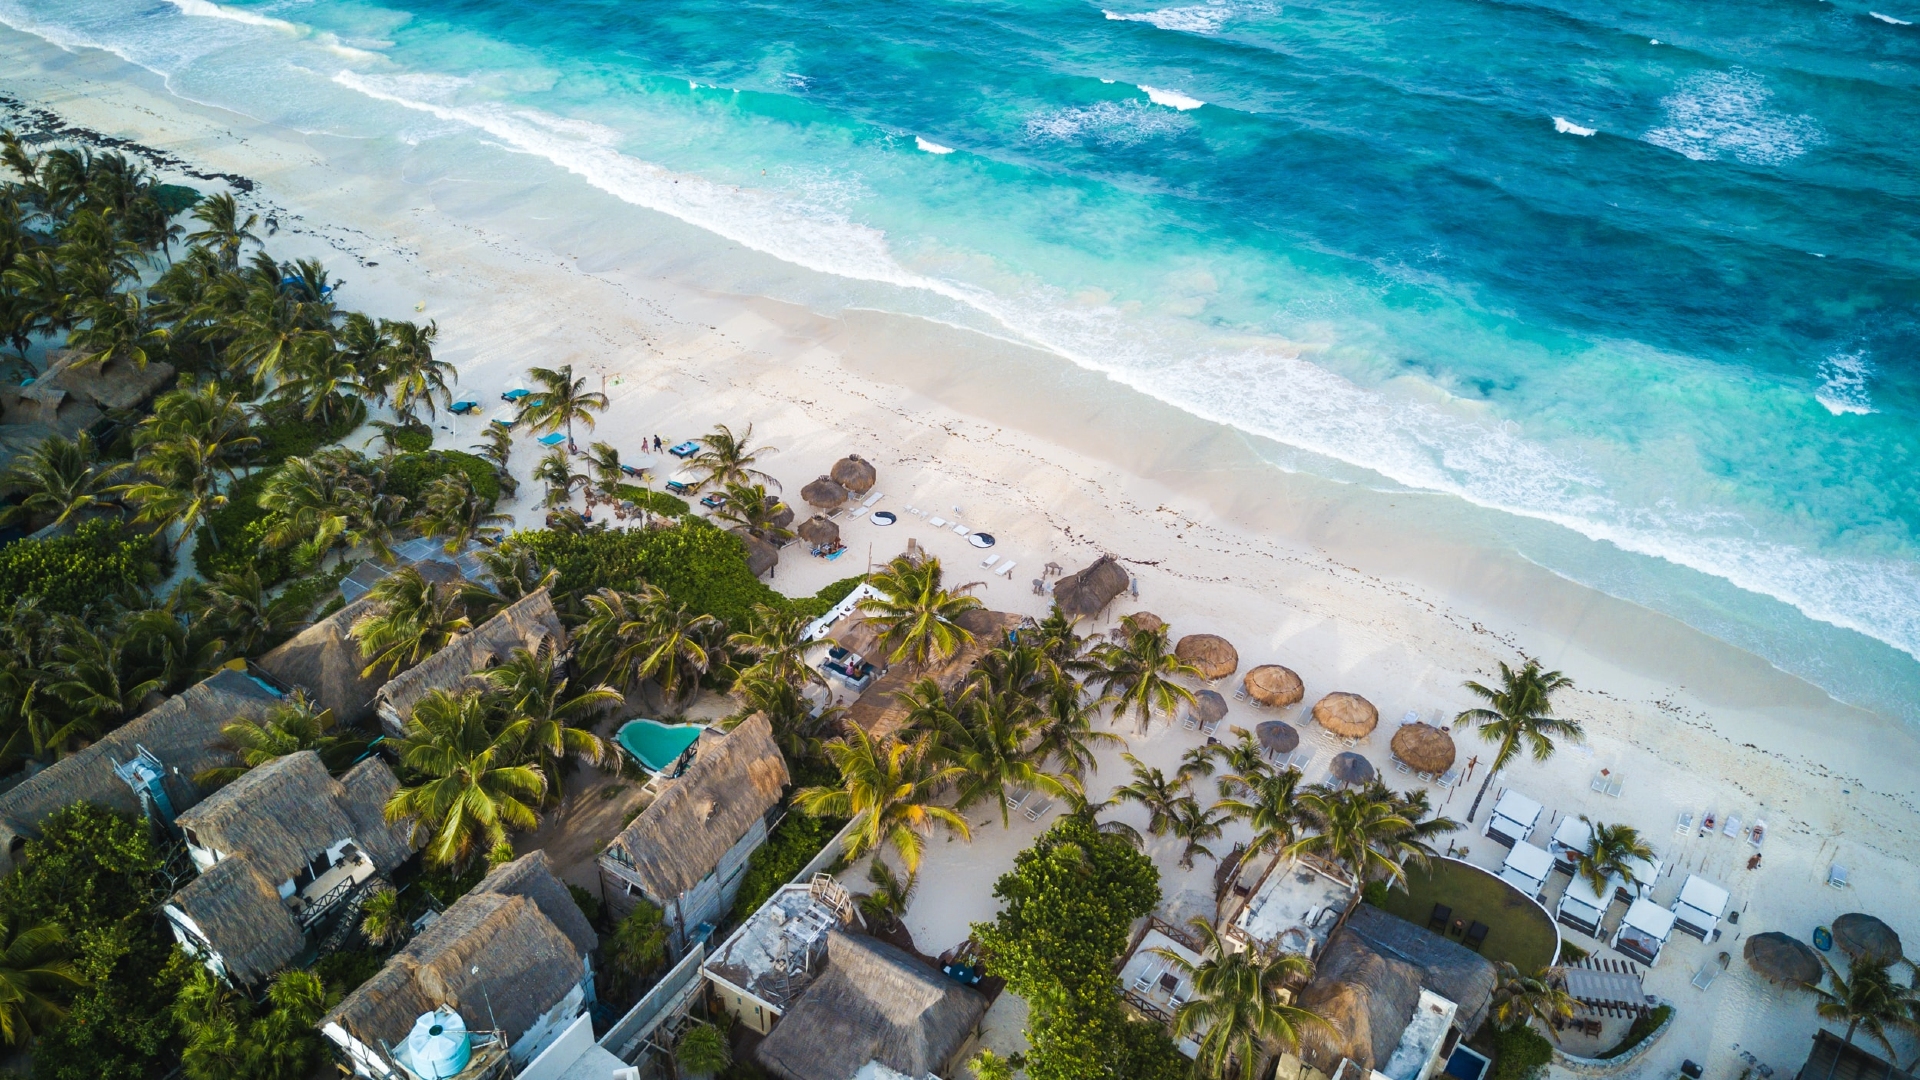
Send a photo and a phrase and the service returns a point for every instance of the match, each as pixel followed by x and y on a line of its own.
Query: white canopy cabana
pixel 1513 818
pixel 1527 868
pixel 1700 906
pixel 1582 908
pixel 1644 931
pixel 1571 840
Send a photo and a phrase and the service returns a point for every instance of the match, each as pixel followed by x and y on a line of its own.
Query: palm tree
pixel 1079 806
pixel 59 478
pixel 184 469
pixel 245 614
pixel 1138 674
pixel 1241 1004
pixel 1614 851
pixel 383 920
pixel 413 618
pixel 915 615
pixel 407 371
pixel 560 401
pixel 629 637
pixel 512 572
pixel 224 232
pixel 728 459
pixel 888 789
pixel 795 727
pixel 118 326
pixel 453 509
pixel 293 726
pixel 638 943
pixel 751 508
pixel 1067 736
pixel 777 644
pixel 497 447
pixel 1519 998
pixel 331 499
pixel 1151 789
pixel 96 678
pixel 533 686
pixel 31 972
pixel 1243 760
pixel 888 901
pixel 1270 803
pixel 324 385
pixel 1193 825
pixel 1521 712
pixel 477 786
pixel 987 739
pixel 1868 999
pixel 556 471
pixel 1353 830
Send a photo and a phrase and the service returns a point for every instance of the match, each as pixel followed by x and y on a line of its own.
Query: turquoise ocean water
pixel 1641 279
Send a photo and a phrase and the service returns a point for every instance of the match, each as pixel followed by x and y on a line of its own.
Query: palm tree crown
pixel 888 788
pixel 1520 711
pixel 1241 1008
pixel 915 614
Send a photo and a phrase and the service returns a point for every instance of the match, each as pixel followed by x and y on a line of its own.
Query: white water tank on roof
pixel 438 1045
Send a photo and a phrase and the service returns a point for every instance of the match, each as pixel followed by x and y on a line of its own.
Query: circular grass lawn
pixel 1519 931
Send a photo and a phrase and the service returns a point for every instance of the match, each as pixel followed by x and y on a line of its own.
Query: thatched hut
pixel 1350 768
pixel 1137 621
pixel 511 955
pixel 1780 958
pixel 762 557
pixel 825 493
pixel 1274 686
pixel 820 531
pixel 182 737
pixel 858 636
pixel 1087 593
pixel 324 660
pixel 1277 736
pixel 780 514
pixel 1424 747
pixel 1215 656
pixel 285 822
pixel 1860 935
pixel 1209 706
pixel 684 851
pixel 1347 715
pixel 523 624
pixel 879 712
pixel 1367 983
pixel 854 473
pixel 874 1003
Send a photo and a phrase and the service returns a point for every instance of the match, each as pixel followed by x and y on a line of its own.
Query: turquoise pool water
pixel 654 745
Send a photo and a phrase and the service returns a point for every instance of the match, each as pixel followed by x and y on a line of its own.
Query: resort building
pixel 1396 998
pixel 879 713
pixel 144 767
pixel 325 662
pixel 1833 1058
pixel 426 554
pixel 523 624
pixel 1699 907
pixel 770 959
pixel 1154 986
pixel 279 851
pixel 874 1008
pixel 687 850
pixel 1513 818
pixel 498 977
pixel 69 397
pixel 1644 931
pixel 1294 908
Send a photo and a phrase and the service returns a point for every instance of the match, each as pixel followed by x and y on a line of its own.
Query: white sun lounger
pixel 858 512
pixel 1033 812
pixel 961 530
pixel 988 562
pixel 1733 826
pixel 1006 569
pixel 1685 824
pixel 873 498
pixel 1837 877
pixel 937 522
pixel 1147 976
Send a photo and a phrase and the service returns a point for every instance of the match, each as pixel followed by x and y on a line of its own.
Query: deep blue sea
pixel 1645 270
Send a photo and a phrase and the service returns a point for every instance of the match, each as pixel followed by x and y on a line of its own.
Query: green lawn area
pixel 1519 932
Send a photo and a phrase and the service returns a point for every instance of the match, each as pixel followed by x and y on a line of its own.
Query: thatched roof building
pixel 819 531
pixel 116 384
pixel 279 822
pixel 873 1003
pixel 1367 983
pixel 879 713
pixel 1862 935
pixel 1782 958
pixel 325 661
pixel 762 556
pixel 523 932
pixel 523 624
pixel 182 734
pixel 1088 592
pixel 854 473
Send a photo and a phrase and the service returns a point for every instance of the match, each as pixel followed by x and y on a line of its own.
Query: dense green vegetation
pixel 789 848
pixel 72 574
pixel 1519 1052
pixel 1643 1028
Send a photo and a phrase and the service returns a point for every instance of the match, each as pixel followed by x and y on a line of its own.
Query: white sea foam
pixel 205 10
pixel 1111 123
pixel 1173 99
pixel 1717 114
pixel 1843 384
pixel 1192 19
pixel 1567 127
pixel 1889 19
pixel 930 146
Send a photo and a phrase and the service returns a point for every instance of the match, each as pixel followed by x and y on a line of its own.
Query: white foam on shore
pixel 1567 127
pixel 931 147
pixel 1889 20
pixel 1173 99
pixel 1843 384
pixel 204 9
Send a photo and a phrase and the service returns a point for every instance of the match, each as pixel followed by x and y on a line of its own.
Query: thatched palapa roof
pixel 1350 768
pixel 781 517
pixel 1088 592
pixel 243 918
pixel 824 492
pixel 1209 706
pixel 819 531
pixel 1141 620
pixel 325 661
pixel 116 384
pixel 1779 958
pixel 1277 736
pixel 1860 935
pixel 879 714
pixel 183 732
pixel 854 473
pixel 1273 685
pixel 522 930
pixel 1215 656
pixel 524 624
pixel 1348 715
pixel 872 1003
pixel 681 835
pixel 1425 747
pixel 855 634
pixel 762 557
pixel 1367 983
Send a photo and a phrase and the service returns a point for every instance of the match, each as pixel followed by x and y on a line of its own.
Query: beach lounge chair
pixel 685 450
pixel 961 530
pixel 1733 826
pixel 1179 997
pixel 1402 767
pixel 1006 570
pixel 1412 717
pixel 1192 720
pixel 1033 812
pixel 1710 971
pixel 554 439
pixel 1599 782
pixel 1837 876
pixel 1615 784
pixel 1209 727
pixel 1685 824
pixel 1448 779
pixel 858 512
pixel 1707 823
pixel 987 563
pixel 1301 758
pixel 1437 921
pixel 514 394
pixel 1757 834
pixel 462 408
pixel 1476 936
pixel 1148 975
pixel 1240 692
pixel 873 498
pixel 937 522
pixel 1017 796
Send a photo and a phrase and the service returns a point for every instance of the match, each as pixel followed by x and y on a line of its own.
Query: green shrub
pixel 285 434
pixel 345 970
pixel 173 198
pixel 410 474
pixel 657 501
pixel 1520 1053
pixel 1571 953
pixel 417 439
pixel 230 540
pixel 790 847
pixel 588 903
pixel 1643 1028
pixel 1375 893
pixel 74 572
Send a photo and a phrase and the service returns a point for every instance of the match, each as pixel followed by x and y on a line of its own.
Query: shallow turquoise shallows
pixel 1643 274
pixel 654 745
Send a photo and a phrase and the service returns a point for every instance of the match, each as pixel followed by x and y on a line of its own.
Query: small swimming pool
pixel 656 746
pixel 1466 1064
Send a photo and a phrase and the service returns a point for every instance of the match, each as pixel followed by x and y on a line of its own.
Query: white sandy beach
pixel 1356 590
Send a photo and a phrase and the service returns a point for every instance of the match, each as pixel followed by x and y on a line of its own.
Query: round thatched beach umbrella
pixel 819 532
pixel 1348 715
pixel 824 493
pixel 1782 959
pixel 762 557
pixel 854 473
pixel 1271 684
pixel 783 517
pixel 1141 620
pixel 1277 736
pixel 1088 592
pixel 1213 655
pixel 1861 935
pixel 1425 747
pixel 1209 706
pixel 1351 768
